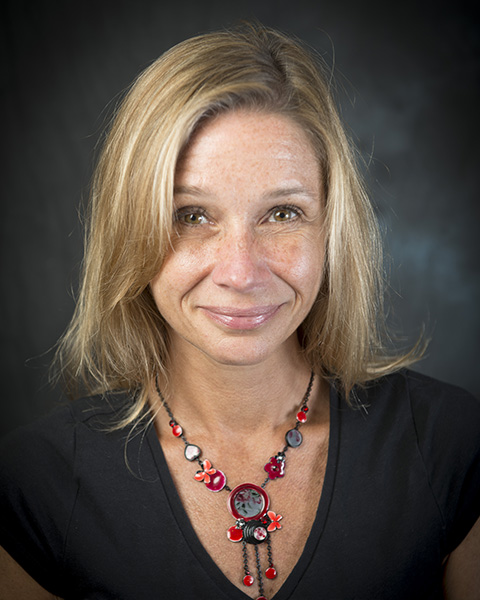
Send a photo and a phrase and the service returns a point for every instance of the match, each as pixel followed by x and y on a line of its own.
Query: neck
pixel 222 399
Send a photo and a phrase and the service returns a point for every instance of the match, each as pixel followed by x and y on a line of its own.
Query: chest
pixel 293 499
pixel 377 530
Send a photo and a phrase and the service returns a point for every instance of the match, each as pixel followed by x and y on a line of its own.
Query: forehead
pixel 247 145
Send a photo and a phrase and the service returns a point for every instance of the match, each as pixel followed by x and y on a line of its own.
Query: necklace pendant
pixel 217 481
pixel 255 532
pixel 192 452
pixel 214 479
pixel 276 466
pixel 248 502
pixel 235 534
pixel 293 438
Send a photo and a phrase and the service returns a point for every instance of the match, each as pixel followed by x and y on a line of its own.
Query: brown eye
pixel 280 215
pixel 192 218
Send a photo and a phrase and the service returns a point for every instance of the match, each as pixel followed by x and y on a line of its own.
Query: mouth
pixel 241 318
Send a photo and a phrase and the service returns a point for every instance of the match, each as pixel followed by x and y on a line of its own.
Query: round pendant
pixel 235 534
pixel 217 481
pixel 177 430
pixel 248 501
pixel 301 417
pixel 271 573
pixel 293 438
pixel 255 532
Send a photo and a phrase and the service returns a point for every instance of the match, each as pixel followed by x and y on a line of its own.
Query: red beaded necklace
pixel 248 503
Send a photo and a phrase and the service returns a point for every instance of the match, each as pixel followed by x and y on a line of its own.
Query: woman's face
pixel 248 247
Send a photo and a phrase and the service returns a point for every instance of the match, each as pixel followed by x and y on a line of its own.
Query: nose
pixel 240 262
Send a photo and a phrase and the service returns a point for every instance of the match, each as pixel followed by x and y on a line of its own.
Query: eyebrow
pixel 190 190
pixel 289 191
pixel 277 193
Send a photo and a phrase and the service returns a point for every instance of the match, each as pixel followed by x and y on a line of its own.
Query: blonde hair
pixel 117 339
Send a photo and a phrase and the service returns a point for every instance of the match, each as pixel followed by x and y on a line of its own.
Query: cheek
pixel 299 260
pixel 181 269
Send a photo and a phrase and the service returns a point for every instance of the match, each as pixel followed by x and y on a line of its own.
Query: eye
pixel 190 216
pixel 194 218
pixel 282 214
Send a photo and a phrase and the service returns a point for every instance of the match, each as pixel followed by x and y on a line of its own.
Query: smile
pixel 241 318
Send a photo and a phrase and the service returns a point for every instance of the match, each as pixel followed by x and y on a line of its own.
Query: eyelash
pixel 190 211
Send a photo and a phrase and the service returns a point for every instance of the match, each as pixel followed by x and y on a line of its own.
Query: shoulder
pixel 444 422
pixel 425 396
pixel 423 387
pixel 37 447
pixel 445 418
pixel 41 468
pixel 444 410
pixel 52 437
pixel 40 460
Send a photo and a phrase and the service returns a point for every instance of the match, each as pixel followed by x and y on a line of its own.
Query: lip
pixel 241 318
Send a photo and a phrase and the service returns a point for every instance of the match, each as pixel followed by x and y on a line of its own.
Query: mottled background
pixel 408 85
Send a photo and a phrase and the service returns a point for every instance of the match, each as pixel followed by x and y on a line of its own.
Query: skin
pixel 245 269
pixel 249 238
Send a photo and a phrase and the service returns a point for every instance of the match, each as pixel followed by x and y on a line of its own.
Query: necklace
pixel 248 503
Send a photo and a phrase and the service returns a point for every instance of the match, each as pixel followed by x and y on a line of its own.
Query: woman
pixel 243 431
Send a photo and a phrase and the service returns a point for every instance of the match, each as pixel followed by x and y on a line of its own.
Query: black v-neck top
pixel 92 514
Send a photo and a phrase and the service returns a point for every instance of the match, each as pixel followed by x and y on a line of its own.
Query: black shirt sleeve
pixel 447 425
pixel 37 495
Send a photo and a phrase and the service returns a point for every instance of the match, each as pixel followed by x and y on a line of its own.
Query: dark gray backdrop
pixel 408 78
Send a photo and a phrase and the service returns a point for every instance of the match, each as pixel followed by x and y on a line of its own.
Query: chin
pixel 245 352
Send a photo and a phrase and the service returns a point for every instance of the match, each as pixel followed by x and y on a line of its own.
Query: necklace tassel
pixel 271 572
pixel 248 578
pixel 259 573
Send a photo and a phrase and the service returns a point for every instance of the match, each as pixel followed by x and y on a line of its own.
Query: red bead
pixel 271 573
pixel 235 534
pixel 248 580
pixel 301 417
pixel 261 598
pixel 305 409
pixel 177 430
pixel 172 423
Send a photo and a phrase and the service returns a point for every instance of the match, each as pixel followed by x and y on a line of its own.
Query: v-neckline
pixel 198 550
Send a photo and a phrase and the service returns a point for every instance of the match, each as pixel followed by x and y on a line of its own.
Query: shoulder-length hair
pixel 117 340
